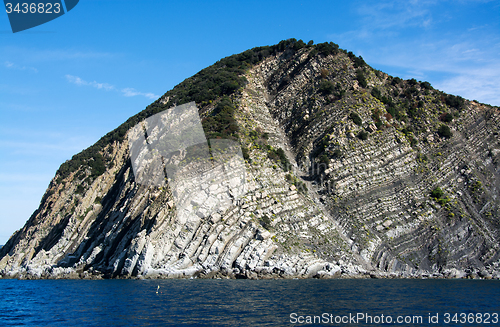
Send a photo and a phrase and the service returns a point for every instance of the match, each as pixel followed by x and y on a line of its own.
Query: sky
pixel 66 83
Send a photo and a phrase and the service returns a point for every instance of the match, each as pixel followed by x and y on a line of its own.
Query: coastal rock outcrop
pixel 348 172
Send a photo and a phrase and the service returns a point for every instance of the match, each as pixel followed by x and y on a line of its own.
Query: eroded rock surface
pixel 343 205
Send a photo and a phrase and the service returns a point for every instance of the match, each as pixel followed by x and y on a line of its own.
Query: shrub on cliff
pixel 357 61
pixel 355 118
pixel 327 48
pixel 326 87
pixel 454 101
pixel 360 76
pixel 363 135
pixel 445 131
pixel 278 155
pixel 446 117
pixel 438 195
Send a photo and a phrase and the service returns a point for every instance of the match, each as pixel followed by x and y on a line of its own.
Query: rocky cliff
pixel 347 172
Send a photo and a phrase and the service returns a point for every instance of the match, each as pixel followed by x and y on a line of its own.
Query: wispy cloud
pixel 128 91
pixel 396 14
pixel 78 81
pixel 420 39
pixel 37 55
pixel 475 84
pixel 11 65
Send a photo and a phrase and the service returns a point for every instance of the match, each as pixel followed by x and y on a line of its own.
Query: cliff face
pixel 348 172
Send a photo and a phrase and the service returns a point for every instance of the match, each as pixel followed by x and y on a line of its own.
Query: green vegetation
pixel 376 93
pixel 246 154
pixel 324 159
pixel 357 61
pixel 438 195
pixel 265 221
pixel 326 87
pixel 360 76
pixel 79 189
pixel 422 157
pixel 408 132
pixel 363 135
pixel 300 185
pixel 476 189
pixel 221 122
pixel 426 85
pixel 454 101
pixel 324 49
pixel 445 131
pixel 355 118
pixel 328 48
pixel 279 156
pixel 446 117
pixel 215 90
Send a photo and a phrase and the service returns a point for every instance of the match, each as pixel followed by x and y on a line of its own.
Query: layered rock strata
pixel 341 205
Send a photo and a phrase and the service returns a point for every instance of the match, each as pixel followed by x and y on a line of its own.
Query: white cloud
pixel 391 14
pixel 78 81
pixel 128 91
pixel 420 39
pixel 11 65
pixel 475 84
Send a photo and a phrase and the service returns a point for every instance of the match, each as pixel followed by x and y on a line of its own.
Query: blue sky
pixel 68 82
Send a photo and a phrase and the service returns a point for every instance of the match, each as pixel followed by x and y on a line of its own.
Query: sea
pixel 213 302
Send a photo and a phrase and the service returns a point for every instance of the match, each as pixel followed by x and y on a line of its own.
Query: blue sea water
pixel 247 302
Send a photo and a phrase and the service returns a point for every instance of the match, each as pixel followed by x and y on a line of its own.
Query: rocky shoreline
pixel 334 273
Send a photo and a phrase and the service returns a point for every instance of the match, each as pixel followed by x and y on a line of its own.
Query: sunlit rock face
pixel 338 170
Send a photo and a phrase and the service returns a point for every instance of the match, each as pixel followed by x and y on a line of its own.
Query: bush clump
pixel 265 222
pixel 454 101
pixel 324 159
pixel 446 117
pixel 357 61
pixel 445 131
pixel 363 135
pixel 438 195
pixel 327 48
pixel 278 155
pixel 360 76
pixel 221 122
pixel 355 118
pixel 326 87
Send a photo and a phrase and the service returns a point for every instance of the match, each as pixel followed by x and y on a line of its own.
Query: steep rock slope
pixel 349 172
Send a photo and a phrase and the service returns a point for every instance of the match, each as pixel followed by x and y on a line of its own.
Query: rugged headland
pixel 350 173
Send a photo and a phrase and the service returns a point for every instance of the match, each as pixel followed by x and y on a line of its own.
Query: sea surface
pixel 249 302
